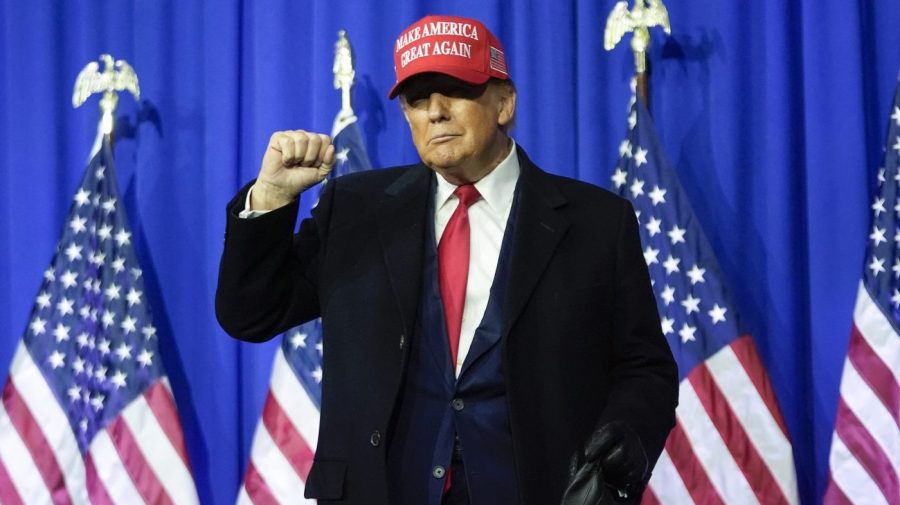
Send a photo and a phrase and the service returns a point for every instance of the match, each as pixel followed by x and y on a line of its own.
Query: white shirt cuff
pixel 249 213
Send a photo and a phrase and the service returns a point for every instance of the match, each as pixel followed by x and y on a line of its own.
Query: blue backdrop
pixel 774 114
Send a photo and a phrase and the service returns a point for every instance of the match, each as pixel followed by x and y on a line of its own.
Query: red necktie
pixel 453 265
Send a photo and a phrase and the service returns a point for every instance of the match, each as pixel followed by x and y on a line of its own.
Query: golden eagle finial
pixel 644 15
pixel 116 76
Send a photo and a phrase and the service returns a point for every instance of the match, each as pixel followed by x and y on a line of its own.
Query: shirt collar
pixel 496 188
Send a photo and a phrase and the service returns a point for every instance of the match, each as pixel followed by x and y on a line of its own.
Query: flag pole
pixel 644 15
pixel 344 75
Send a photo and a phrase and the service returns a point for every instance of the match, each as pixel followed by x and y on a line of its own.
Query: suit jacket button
pixel 375 439
pixel 458 404
pixel 438 472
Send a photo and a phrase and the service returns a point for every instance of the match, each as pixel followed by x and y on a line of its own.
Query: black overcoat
pixel 581 341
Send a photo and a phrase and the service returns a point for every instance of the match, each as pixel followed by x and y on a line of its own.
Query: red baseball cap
pixel 459 47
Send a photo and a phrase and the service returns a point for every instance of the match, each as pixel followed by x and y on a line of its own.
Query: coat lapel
pixel 401 230
pixel 539 227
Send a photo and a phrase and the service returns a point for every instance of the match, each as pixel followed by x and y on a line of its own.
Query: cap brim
pixel 468 75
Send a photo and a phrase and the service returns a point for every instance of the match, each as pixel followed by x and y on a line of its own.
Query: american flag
pixel 285 439
pixel 87 414
pixel 865 448
pixel 729 444
pixel 498 60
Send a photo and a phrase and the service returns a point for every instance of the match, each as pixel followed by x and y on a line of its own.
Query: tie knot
pixel 467 194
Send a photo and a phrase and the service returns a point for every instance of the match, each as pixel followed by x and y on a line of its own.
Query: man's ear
pixel 506 104
pixel 404 108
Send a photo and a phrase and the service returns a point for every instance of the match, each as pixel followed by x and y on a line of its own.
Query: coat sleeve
pixel 644 378
pixel 268 277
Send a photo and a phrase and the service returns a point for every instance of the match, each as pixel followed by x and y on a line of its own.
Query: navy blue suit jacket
pixel 581 338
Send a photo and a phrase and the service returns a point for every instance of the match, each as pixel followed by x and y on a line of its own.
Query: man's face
pixel 456 126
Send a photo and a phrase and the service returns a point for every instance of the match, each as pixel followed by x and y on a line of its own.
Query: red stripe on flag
pixel 257 489
pixel 649 497
pixel 689 468
pixel 142 475
pixel 875 372
pixel 834 495
pixel 866 450
pixel 40 450
pixel 285 435
pixel 745 351
pixel 745 454
pixel 8 493
pixel 166 412
pixel 95 488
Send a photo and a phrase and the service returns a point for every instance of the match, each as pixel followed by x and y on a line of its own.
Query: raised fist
pixel 294 161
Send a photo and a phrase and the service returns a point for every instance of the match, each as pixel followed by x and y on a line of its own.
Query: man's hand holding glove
pixel 612 466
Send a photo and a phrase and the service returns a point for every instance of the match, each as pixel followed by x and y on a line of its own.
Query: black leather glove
pixel 586 486
pixel 614 453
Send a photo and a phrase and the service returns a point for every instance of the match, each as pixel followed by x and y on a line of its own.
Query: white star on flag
pixel 676 234
pixel 82 197
pixel 640 156
pixel 637 188
pixel 77 224
pixel 696 274
pixel 342 156
pixel 650 255
pixel 653 226
pixel 668 325
pixel 717 314
pixel 691 304
pixel 73 252
pixel 878 206
pixel 687 333
pixel 668 294
pixel 876 266
pixel 671 264
pixel 298 340
pixel 619 178
pixel 658 195
pixel 877 235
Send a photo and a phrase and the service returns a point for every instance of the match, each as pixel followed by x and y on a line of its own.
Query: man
pixel 485 323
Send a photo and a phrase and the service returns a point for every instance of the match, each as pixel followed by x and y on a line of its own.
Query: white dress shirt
pixel 487 224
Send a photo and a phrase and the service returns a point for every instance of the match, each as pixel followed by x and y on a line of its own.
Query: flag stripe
pixel 284 484
pixel 292 445
pixel 875 373
pixel 848 475
pixel 256 489
pixel 666 483
pixel 14 456
pixel 8 493
pixel 110 470
pixel 96 490
pixel 161 457
pixel 649 497
pixel 710 449
pixel 162 403
pixel 745 455
pixel 870 413
pixel 31 435
pixel 747 408
pixel 135 464
pixel 34 391
pixel 877 331
pixel 834 495
pixel 694 476
pixel 745 351
pixel 866 450
pixel 294 400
